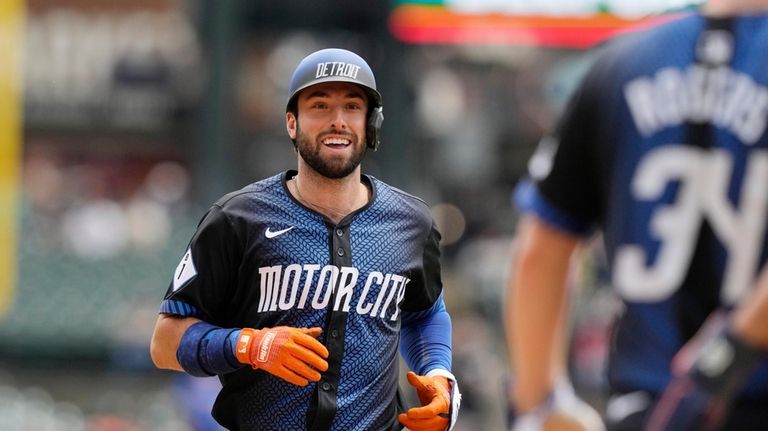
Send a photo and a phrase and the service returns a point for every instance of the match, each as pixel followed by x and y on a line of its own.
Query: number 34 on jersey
pixel 705 178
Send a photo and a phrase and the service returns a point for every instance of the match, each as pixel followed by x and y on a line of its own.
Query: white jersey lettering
pixel 347 282
pixel 725 97
pixel 328 276
pixel 281 288
pixel 290 286
pixel 705 178
pixel 362 306
pixel 270 279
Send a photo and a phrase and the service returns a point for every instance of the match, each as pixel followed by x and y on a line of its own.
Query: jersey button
pixel 340 252
pixel 339 233
pixel 326 386
pixel 334 333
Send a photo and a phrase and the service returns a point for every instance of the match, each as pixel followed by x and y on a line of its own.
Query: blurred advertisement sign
pixel 11 31
pixel 553 23
pixel 107 65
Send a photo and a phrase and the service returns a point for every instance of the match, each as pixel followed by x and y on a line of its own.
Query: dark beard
pixel 335 169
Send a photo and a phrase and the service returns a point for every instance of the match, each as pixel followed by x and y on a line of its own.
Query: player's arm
pixel 184 339
pixel 535 317
pixel 425 338
pixel 169 329
pixel 200 349
pixel 425 343
pixel 536 310
pixel 710 370
pixel 749 317
pixel 561 202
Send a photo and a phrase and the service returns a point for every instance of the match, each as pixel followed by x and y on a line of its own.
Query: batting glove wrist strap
pixel 292 354
pixel 206 350
pixel 455 394
pixel 439 398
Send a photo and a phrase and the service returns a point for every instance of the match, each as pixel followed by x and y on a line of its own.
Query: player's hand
pixel 435 396
pixel 293 354
pixel 561 411
pixel 707 373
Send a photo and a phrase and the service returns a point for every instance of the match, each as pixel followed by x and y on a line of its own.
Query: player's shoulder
pixel 399 199
pixel 664 28
pixel 638 52
pixel 262 189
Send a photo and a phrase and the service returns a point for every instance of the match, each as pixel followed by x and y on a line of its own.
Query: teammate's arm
pixel 536 323
pixel 536 310
pixel 749 317
pixel 709 370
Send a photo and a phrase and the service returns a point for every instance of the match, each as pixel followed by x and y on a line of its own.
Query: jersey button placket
pixel 341 256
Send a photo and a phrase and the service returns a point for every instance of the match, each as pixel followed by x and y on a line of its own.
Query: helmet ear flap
pixel 373 129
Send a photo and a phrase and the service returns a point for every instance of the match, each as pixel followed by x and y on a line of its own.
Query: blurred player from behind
pixel 298 290
pixel 663 148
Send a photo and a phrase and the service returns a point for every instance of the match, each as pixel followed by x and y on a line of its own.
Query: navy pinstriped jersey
pixel 261 259
pixel 669 157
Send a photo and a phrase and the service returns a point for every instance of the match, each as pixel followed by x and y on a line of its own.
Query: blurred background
pixel 121 122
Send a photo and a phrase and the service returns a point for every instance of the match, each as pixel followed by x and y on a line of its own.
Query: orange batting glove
pixel 435 397
pixel 293 354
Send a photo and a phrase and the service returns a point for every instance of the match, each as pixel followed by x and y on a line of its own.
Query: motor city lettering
pixel 281 288
pixel 337 68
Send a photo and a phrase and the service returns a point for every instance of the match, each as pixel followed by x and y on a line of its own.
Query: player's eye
pixel 319 105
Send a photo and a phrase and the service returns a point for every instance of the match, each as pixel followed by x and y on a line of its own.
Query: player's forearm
pixel 165 340
pixel 536 337
pixel 749 317
pixel 536 311
pixel 425 339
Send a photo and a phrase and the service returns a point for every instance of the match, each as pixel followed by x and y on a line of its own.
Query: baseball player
pixel 663 147
pixel 298 290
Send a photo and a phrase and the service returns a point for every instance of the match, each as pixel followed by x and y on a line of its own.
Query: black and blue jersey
pixel 663 147
pixel 261 259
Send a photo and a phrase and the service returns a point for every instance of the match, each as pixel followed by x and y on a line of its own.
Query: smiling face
pixel 331 137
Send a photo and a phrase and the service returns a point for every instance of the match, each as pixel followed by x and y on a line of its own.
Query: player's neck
pixel 733 7
pixel 334 198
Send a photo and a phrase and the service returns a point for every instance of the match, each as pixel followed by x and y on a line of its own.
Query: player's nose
pixel 338 119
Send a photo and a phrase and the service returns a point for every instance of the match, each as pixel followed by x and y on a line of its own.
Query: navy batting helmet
pixel 339 65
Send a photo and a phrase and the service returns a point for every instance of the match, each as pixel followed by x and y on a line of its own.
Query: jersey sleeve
pixel 207 271
pixel 563 186
pixel 425 339
pixel 426 283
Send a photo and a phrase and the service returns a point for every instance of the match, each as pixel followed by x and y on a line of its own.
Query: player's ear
pixel 290 125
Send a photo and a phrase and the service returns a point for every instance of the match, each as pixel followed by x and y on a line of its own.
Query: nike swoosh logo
pixel 269 234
